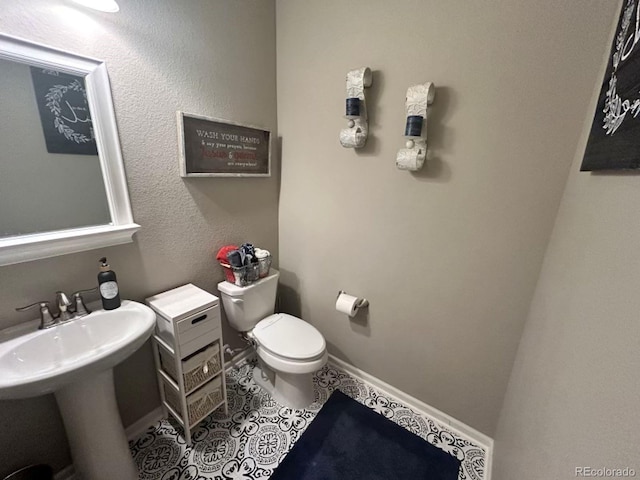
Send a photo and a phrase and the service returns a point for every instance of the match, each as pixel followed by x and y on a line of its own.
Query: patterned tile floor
pixel 254 437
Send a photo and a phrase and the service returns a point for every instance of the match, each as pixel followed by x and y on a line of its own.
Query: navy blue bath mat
pixel 348 441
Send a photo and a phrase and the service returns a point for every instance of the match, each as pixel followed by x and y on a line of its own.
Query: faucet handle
pixel 87 290
pixel 46 319
pixel 81 309
pixel 41 304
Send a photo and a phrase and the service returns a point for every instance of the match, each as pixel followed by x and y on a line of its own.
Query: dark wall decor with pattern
pixel 64 112
pixel 614 141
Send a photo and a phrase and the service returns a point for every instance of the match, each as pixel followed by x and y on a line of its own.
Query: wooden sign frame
pixel 213 147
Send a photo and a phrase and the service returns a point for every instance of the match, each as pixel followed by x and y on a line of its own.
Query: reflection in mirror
pixel 50 176
pixel 62 180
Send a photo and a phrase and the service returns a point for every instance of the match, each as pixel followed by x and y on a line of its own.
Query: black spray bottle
pixel 108 286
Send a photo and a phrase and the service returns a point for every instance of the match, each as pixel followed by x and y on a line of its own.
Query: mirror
pixel 62 181
pixel 48 145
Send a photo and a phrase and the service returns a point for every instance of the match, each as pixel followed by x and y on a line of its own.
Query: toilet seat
pixel 289 344
pixel 289 337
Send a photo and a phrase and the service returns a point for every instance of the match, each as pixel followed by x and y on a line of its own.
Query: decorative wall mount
pixel 418 99
pixel 355 135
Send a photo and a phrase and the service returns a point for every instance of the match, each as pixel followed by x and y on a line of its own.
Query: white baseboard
pixel 140 426
pixel 419 406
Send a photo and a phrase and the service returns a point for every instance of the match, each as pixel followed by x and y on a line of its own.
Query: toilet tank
pixel 246 306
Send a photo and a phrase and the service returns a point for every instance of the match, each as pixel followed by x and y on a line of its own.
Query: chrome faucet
pixel 66 310
pixel 63 303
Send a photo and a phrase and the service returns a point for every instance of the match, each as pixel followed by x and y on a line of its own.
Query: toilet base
pixel 293 390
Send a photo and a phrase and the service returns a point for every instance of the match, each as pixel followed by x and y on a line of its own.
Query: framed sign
pixel 211 147
pixel 64 112
pixel 614 140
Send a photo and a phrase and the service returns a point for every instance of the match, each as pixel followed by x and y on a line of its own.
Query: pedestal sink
pixel 75 361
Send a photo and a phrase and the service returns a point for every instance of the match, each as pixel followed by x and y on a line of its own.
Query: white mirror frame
pixel 24 248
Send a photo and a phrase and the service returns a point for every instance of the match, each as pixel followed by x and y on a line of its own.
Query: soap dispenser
pixel 108 286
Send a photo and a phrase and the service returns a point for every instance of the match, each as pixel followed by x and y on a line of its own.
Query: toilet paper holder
pixel 417 102
pixel 362 302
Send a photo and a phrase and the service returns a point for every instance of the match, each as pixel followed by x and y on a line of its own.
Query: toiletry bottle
pixel 108 286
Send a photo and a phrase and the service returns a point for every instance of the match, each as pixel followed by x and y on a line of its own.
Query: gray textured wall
pixel 573 395
pixel 214 58
pixel 449 257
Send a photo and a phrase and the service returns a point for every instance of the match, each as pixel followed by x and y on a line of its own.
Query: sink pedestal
pixel 99 446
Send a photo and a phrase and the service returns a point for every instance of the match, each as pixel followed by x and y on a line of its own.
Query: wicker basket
pixel 199 404
pixel 196 368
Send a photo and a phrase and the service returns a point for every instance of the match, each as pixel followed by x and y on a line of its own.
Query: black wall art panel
pixel 64 112
pixel 614 141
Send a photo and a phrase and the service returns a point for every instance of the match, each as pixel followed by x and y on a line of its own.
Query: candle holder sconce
pixel 355 135
pixel 418 99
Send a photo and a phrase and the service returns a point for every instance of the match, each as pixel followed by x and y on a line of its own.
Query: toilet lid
pixel 289 337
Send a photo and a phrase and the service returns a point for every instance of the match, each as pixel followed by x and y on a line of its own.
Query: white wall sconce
pixel 419 97
pixel 355 135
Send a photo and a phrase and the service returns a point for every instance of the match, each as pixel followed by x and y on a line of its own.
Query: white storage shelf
pixel 188 354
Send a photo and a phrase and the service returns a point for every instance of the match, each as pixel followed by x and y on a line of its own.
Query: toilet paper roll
pixel 347 304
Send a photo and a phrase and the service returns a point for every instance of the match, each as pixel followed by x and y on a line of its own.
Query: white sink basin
pixel 42 361
pixel 75 361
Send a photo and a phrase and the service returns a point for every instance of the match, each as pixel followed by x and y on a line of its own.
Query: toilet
pixel 289 349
